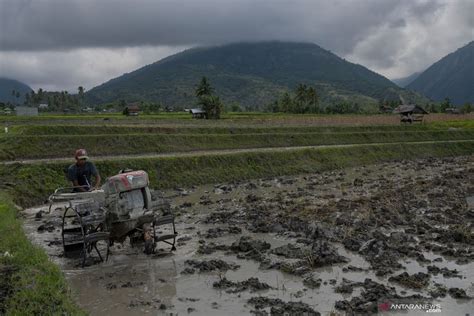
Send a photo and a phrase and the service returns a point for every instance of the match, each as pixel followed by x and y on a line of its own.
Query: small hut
pixel 453 111
pixel 132 109
pixel 410 113
pixel 198 113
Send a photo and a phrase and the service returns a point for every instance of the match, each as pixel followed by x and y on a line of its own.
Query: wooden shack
pixel 132 109
pixel 410 113
pixel 452 111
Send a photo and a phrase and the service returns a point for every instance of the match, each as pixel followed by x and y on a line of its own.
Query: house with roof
pixel 198 113
pixel 452 111
pixel 132 109
pixel 43 106
pixel 410 113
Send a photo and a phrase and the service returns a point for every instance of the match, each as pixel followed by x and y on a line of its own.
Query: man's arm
pixel 96 174
pixel 97 181
pixel 80 188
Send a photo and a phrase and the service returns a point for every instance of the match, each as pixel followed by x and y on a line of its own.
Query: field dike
pixel 57 146
pixel 153 129
pixel 31 284
pixel 31 184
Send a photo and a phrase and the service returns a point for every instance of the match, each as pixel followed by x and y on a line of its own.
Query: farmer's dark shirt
pixel 82 173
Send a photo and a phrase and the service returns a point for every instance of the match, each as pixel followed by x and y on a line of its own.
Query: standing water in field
pixel 347 241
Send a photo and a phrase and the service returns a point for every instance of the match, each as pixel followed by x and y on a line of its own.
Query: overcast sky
pixel 61 44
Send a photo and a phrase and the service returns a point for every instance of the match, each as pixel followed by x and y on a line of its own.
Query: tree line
pixel 55 100
pixel 303 99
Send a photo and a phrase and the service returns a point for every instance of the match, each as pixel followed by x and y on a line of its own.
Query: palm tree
pixel 286 103
pixel 301 93
pixel 27 98
pixel 40 95
pixel 80 91
pixel 313 100
pixel 212 105
pixel 204 88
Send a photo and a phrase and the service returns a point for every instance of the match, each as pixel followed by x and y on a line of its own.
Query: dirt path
pixel 219 152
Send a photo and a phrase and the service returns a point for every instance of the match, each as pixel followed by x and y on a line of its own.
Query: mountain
pixel 250 74
pixel 452 77
pixel 405 81
pixel 9 85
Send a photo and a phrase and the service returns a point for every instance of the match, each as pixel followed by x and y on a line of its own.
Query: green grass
pixel 57 146
pixel 98 129
pixel 252 118
pixel 158 116
pixel 31 184
pixel 462 124
pixel 101 116
pixel 37 285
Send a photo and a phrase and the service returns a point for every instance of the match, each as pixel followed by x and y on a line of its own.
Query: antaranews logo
pixel 399 306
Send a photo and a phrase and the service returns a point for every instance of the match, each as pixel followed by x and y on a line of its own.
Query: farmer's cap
pixel 81 154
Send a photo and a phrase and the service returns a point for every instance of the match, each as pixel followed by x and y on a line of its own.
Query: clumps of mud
pixel 208 266
pixel 311 282
pixel 462 252
pixel 279 307
pixel 439 290
pixel 458 293
pixel 385 215
pixel 351 268
pixel 247 243
pixel 49 226
pixel 252 284
pixel 220 217
pixel 138 303
pixel 415 281
pixel 447 273
pixel 291 251
pixel 207 249
pixel 323 254
pixel 248 248
pixel 221 231
pixel 113 286
pixel 372 294
pixel 300 267
pixel 380 254
pixel 319 254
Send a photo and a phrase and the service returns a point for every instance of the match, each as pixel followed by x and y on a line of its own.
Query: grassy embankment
pixel 31 184
pixel 228 119
pixel 36 287
pixel 29 282
pixel 100 129
pixel 35 142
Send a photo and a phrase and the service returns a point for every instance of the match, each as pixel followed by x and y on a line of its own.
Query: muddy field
pixel 340 242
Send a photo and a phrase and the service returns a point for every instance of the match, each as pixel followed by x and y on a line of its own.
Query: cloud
pixel 431 31
pixel 96 39
pixel 59 24
pixel 87 67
